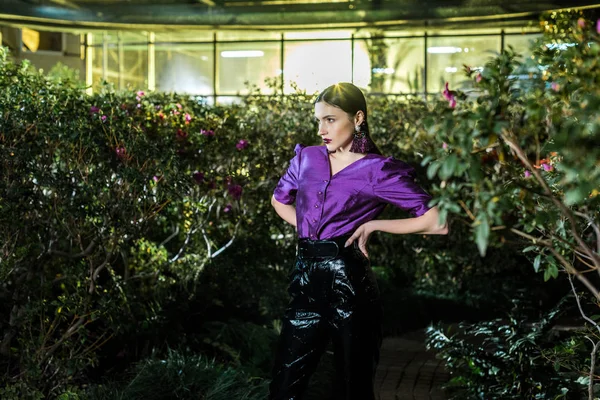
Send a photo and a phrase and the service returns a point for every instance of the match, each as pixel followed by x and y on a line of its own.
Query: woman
pixel 339 189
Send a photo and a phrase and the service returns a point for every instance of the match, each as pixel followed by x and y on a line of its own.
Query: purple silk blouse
pixel 330 206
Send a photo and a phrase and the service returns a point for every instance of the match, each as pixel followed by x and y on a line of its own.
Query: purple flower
pixel 478 78
pixel 235 191
pixel 139 105
pixel 547 167
pixel 227 208
pixel 527 174
pixel 94 110
pixel 598 26
pixel 444 145
pixel 209 132
pixel 198 177
pixel 242 144
pixel 452 102
pixel 188 117
pixel 103 118
pixel 155 178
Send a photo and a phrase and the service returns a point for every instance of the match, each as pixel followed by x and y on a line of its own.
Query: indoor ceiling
pixel 276 14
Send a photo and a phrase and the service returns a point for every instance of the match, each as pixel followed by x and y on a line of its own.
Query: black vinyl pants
pixel 333 298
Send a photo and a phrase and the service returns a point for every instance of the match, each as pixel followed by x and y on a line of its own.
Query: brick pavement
pixel 407 371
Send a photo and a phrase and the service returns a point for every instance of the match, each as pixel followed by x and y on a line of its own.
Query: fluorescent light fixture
pixel 444 50
pixel 242 53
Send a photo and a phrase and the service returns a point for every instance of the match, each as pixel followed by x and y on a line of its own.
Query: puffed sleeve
pixel 395 185
pixel 286 189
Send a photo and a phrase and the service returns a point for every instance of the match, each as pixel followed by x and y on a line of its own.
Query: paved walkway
pixel 407 371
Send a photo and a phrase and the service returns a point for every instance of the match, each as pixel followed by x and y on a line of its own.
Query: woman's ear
pixel 359 117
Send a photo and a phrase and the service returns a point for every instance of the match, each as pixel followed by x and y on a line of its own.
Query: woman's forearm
pixel 426 224
pixel 286 211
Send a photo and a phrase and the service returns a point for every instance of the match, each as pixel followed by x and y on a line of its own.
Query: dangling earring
pixel 361 142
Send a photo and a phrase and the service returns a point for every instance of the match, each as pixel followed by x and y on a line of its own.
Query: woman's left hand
pixel 361 234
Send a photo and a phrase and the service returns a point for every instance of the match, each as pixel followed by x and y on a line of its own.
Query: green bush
pixel 130 221
pixel 182 376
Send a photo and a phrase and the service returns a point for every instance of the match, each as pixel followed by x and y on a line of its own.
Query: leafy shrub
pixel 180 375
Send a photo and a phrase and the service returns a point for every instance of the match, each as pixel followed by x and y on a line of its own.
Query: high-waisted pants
pixel 333 298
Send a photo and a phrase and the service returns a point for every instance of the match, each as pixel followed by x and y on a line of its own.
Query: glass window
pixel 134 37
pixel 326 34
pixel 135 67
pixel 446 57
pixel 521 43
pixel 239 63
pixel 112 64
pixel 247 35
pixel 97 53
pixel 185 68
pixel 183 36
pixel 389 65
pixel 313 66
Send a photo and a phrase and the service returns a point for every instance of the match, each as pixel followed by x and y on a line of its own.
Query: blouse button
pixel 320 192
pixel 316 206
pixel 314 220
pixel 325 181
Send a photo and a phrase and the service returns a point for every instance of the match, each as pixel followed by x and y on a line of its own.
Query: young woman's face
pixel 335 128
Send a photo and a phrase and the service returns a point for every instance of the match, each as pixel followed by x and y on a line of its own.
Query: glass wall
pixel 225 65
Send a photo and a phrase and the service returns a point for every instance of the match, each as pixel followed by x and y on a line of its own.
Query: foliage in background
pixel 521 162
pixel 132 222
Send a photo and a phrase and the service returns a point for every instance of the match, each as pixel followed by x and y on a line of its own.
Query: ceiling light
pixel 242 53
pixel 444 50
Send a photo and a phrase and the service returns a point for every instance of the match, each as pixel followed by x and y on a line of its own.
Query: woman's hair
pixel 351 100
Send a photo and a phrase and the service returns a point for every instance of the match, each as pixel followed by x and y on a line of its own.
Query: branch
pixel 84 253
pixel 565 210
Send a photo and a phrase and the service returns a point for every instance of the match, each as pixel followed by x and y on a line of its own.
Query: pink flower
pixel 235 191
pixel 598 26
pixel 527 174
pixel 227 208
pixel 447 93
pixel 207 132
pixel 140 93
pixel 198 177
pixel 103 118
pixel 94 110
pixel 478 78
pixel 155 178
pixel 188 118
pixel 449 96
pixel 581 22
pixel 547 167
pixel 178 106
pixel 121 152
pixel 555 86
pixel 242 144
pixel 444 145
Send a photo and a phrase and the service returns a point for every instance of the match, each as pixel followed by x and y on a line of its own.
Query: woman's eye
pixel 330 120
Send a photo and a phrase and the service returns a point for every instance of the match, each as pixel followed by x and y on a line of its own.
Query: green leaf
pixel 448 166
pixel 482 234
pixel 536 262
